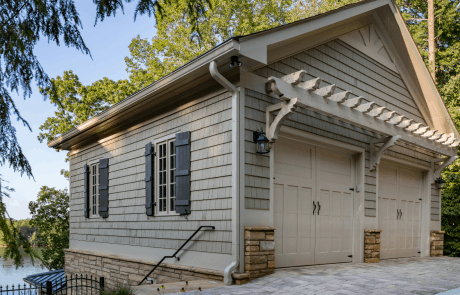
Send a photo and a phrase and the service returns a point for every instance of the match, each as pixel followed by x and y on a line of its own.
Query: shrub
pixel 120 289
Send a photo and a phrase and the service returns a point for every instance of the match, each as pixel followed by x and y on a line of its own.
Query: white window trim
pixel 156 185
pixel 91 215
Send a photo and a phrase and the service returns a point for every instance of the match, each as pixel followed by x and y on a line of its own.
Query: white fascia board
pixel 438 111
pixel 255 46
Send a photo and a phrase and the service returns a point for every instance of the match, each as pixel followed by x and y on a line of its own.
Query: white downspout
pixel 235 175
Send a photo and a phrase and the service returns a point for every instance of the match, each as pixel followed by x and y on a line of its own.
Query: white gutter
pixel 235 177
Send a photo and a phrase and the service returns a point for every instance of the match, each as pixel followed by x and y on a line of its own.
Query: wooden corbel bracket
pixel 445 162
pixel 274 123
pixel 377 155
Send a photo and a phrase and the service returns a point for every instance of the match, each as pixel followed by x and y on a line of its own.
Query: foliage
pixel 169 49
pixel 77 103
pixel 22 23
pixel 447 38
pixel 450 210
pixel 24 228
pixel 50 214
pixel 120 289
pixel 11 235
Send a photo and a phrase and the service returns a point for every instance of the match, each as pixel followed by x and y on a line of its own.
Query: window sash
pixel 165 177
pixel 94 193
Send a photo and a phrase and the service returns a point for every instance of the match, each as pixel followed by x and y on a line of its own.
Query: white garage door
pixel 399 210
pixel 313 204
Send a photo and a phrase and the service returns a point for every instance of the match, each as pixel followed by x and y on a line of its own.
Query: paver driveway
pixel 398 276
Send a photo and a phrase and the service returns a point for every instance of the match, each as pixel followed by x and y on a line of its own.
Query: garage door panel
pixel 303 176
pixel 388 174
pixel 293 194
pixel 333 161
pixel 399 210
pixel 388 190
pixel 334 180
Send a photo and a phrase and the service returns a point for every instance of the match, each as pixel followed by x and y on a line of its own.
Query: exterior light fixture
pixel 234 60
pixel 440 183
pixel 263 144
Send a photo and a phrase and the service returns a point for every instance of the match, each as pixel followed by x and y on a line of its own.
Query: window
pixel 94 193
pixel 166 177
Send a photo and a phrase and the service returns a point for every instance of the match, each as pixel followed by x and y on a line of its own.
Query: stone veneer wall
pixel 259 253
pixel 372 245
pixel 437 243
pixel 116 269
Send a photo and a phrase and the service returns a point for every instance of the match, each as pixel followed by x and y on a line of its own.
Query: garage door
pixel 313 204
pixel 399 205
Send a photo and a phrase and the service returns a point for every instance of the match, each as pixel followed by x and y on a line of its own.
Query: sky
pixel 108 42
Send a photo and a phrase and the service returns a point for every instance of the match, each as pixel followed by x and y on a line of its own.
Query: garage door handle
pixel 319 207
pixel 314 207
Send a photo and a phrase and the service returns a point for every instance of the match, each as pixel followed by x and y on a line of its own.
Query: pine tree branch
pixel 14 15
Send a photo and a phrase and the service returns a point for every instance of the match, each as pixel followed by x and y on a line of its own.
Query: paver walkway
pixel 399 276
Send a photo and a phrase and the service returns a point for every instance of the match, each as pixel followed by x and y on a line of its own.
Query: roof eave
pixel 219 53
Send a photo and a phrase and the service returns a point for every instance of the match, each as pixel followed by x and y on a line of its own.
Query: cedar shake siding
pixel 208 119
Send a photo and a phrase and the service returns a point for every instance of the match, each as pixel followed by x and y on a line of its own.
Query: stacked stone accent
pixel 259 253
pixel 116 269
pixel 437 243
pixel 372 245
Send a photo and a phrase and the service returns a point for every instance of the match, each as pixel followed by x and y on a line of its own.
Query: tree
pixel 169 49
pixel 50 214
pixel 22 23
pixel 450 210
pixel 11 236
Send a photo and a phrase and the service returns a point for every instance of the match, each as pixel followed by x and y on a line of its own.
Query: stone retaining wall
pixel 372 245
pixel 116 269
pixel 259 253
pixel 437 243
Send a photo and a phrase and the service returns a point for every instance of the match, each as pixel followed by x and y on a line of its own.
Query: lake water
pixel 10 275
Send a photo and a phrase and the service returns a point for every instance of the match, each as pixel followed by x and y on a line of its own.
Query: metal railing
pixel 69 285
pixel 174 255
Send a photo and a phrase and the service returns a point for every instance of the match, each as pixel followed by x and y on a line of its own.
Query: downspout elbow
pixel 221 79
pixel 228 280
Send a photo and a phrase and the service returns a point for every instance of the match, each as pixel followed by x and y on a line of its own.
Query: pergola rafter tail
pixel 354 110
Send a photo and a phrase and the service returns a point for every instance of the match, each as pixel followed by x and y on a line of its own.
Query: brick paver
pixel 399 276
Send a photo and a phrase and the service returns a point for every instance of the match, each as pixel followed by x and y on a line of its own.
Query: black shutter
pixel 104 188
pixel 149 179
pixel 86 190
pixel 183 173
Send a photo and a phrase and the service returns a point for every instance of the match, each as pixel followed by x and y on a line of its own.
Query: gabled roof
pixel 258 49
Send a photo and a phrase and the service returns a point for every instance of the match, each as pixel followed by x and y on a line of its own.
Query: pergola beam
pixel 377 119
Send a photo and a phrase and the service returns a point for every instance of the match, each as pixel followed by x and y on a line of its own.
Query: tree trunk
pixel 431 41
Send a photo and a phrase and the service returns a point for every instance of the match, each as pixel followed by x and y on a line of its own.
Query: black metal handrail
pixel 174 255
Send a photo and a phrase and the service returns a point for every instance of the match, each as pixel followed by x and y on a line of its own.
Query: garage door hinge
pixel 418 252
pixel 350 256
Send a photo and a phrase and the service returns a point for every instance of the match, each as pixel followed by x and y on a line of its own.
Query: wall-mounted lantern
pixel 263 144
pixel 440 183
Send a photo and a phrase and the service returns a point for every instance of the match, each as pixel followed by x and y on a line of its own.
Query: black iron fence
pixel 69 285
